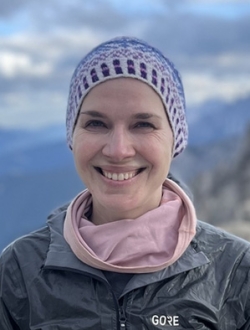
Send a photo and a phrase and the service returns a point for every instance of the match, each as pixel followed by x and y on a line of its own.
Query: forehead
pixel 125 94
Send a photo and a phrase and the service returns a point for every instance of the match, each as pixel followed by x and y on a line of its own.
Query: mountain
pixel 36 158
pixel 35 178
pixel 37 172
pixel 218 121
pixel 27 199
pixel 222 195
pixel 13 140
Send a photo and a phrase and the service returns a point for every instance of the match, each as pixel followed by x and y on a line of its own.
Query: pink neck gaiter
pixel 146 244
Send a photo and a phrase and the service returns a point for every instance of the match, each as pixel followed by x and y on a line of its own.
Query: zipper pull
pixel 122 319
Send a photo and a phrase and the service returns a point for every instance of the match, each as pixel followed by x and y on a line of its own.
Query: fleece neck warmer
pixel 146 244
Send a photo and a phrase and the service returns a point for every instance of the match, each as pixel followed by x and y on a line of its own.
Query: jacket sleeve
pixel 241 285
pixel 13 300
pixel 6 322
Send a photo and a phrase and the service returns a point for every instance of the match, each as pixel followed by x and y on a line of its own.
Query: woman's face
pixel 122 146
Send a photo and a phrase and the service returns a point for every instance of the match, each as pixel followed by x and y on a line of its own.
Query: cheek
pixel 159 148
pixel 80 150
pixel 84 151
pixel 159 159
pixel 82 143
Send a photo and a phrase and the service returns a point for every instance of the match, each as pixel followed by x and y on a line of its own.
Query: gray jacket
pixel 43 286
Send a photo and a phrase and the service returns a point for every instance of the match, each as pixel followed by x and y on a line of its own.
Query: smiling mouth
pixel 119 176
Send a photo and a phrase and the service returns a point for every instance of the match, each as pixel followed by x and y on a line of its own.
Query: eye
pixel 94 124
pixel 144 124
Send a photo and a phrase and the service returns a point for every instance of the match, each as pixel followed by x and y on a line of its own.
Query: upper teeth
pixel 119 176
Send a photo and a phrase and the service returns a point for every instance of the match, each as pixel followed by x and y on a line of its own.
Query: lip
pixel 118 170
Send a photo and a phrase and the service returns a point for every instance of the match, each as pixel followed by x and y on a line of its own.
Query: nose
pixel 119 145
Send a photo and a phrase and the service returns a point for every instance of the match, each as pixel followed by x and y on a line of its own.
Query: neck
pixel 101 214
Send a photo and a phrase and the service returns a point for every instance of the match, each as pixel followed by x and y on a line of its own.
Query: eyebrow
pixel 93 113
pixel 140 115
pixel 145 115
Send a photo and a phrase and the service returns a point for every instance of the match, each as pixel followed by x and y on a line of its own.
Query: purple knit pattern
pixel 130 57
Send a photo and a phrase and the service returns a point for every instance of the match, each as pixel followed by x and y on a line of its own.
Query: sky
pixel 41 42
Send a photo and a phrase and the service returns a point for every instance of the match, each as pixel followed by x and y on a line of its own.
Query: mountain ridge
pixel 37 170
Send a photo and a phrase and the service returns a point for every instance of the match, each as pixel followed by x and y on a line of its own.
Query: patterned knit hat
pixel 130 57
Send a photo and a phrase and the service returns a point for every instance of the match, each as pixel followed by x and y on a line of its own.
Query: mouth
pixel 119 176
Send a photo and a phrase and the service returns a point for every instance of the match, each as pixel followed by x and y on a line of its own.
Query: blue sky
pixel 41 42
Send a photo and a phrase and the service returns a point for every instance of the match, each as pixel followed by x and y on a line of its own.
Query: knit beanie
pixel 133 58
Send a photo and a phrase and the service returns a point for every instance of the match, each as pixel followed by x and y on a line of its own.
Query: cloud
pixel 202 87
pixel 192 35
pixel 9 8
pixel 13 64
pixel 37 61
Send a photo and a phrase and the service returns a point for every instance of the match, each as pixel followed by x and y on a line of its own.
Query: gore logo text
pixel 165 320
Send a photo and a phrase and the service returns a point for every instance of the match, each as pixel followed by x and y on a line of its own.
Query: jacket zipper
pixel 122 318
pixel 122 314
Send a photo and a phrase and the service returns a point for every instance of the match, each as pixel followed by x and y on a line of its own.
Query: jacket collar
pixel 60 256
pixel 189 260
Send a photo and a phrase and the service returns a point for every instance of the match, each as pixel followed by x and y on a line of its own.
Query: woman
pixel 128 252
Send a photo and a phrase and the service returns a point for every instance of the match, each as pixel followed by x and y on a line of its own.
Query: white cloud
pixel 201 87
pixel 212 54
pixel 52 44
pixel 232 60
pixel 30 54
pixel 16 64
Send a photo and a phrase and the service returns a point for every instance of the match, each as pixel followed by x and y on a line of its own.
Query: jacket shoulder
pixel 20 262
pixel 34 240
pixel 217 244
pixel 37 240
pixel 211 232
pixel 229 258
